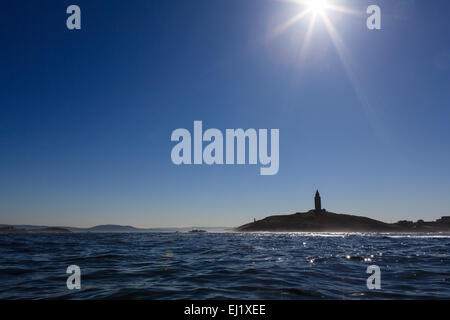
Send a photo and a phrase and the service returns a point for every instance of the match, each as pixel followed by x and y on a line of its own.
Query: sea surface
pixel 225 266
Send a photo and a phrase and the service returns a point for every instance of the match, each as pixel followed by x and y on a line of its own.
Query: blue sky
pixel 86 116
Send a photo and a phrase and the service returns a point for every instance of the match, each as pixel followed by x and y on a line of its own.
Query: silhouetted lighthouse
pixel 317 202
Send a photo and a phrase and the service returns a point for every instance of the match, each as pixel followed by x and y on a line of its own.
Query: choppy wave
pixel 225 266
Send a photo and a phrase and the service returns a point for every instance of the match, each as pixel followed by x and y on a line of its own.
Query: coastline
pixel 325 221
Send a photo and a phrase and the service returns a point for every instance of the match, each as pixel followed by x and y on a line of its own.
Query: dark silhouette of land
pixel 112 228
pixel 320 220
pixel 106 228
pixel 334 222
pixel 316 220
pixel 197 231
pixel 12 229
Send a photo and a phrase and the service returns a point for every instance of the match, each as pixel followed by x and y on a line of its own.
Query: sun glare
pixel 319 11
pixel 317 6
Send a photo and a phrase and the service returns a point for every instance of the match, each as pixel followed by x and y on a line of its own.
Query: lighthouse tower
pixel 317 203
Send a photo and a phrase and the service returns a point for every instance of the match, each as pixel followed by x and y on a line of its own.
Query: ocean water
pixel 224 266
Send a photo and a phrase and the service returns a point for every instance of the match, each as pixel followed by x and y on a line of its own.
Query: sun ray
pixel 319 8
pixel 343 9
pixel 280 29
pixel 307 39
pixel 348 64
pixel 336 39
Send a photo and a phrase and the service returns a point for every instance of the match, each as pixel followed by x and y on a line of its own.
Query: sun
pixel 317 6
pixel 320 10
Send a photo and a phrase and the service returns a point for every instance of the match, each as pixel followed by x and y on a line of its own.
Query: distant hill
pixel 107 228
pixel 12 229
pixel 325 221
pixel 112 228
pixel 131 229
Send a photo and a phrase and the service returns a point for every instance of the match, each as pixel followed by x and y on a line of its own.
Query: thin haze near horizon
pixel 86 116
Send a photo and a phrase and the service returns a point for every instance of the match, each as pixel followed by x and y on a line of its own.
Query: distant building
pixel 317 202
pixel 444 219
